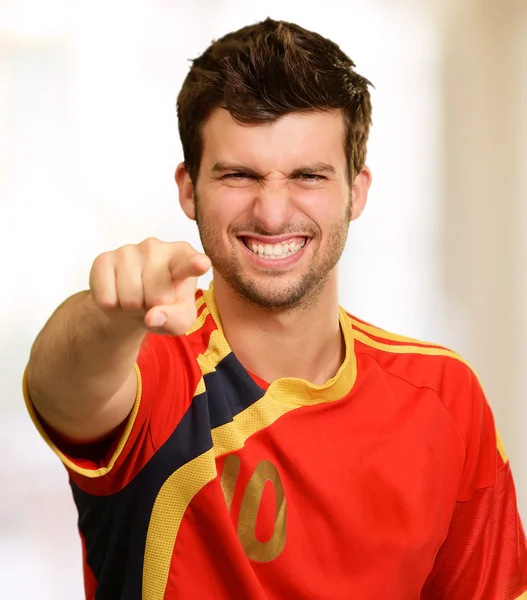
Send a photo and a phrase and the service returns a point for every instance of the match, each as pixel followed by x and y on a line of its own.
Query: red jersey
pixel 388 481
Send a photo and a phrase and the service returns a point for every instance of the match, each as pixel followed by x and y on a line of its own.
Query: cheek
pixel 322 207
pixel 228 206
pixel 220 210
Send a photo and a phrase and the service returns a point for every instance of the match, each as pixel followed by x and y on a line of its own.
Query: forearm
pixel 82 358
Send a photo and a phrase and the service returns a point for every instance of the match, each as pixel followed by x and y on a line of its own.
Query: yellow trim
pixel 199 322
pixel 90 473
pixel 523 596
pixel 382 333
pixel 408 349
pixel 200 389
pixel 200 302
pixel 302 392
pixel 211 305
pixel 217 350
pixel 501 449
pixel 170 506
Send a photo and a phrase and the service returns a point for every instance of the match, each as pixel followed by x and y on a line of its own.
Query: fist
pixel 154 282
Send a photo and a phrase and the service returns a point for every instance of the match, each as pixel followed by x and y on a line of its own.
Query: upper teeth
pixel 276 250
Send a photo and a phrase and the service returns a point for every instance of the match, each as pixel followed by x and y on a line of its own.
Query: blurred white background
pixel 89 143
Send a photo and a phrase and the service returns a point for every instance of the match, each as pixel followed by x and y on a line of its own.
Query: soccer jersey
pixel 388 481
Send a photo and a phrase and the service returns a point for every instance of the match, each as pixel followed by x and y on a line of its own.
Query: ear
pixel 186 191
pixel 359 192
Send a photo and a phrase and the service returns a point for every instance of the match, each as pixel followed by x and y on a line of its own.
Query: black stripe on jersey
pixel 231 390
pixel 115 527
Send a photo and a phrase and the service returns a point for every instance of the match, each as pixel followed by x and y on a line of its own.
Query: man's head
pixel 274 124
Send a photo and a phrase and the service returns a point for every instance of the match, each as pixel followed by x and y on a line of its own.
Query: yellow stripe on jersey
pixel 199 322
pixel 91 473
pixel 217 350
pixel 200 302
pixel 167 514
pixel 407 349
pixel 523 596
pixel 501 448
pixel 200 388
pixel 386 335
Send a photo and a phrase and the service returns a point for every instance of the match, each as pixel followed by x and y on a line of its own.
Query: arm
pixel 80 375
pixel 484 555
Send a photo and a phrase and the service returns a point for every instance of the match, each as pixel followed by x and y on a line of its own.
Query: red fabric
pixel 90 582
pixel 484 556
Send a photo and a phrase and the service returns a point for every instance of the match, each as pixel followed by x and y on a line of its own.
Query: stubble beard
pixel 271 294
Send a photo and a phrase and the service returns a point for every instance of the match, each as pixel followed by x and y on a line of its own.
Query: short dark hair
pixel 265 71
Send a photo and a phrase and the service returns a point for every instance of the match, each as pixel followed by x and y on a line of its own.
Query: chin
pixel 275 295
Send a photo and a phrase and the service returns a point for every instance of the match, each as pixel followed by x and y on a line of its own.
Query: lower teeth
pixel 275 256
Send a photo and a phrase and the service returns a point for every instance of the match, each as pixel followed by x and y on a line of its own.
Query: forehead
pixel 293 140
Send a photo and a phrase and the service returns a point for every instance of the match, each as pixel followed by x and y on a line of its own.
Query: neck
pixel 304 342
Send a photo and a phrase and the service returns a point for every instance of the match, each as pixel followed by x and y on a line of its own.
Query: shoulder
pixel 420 363
pixel 444 376
pixel 441 374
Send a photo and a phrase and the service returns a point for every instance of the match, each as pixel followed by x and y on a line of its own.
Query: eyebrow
pixel 317 167
pixel 222 167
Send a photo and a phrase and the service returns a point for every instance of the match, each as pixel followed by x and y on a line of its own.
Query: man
pixel 255 441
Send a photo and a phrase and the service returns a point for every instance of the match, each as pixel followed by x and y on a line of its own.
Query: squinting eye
pixel 311 177
pixel 236 176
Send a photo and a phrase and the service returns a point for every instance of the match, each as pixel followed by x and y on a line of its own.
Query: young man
pixel 255 441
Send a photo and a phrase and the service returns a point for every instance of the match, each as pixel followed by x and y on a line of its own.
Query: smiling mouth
pixel 275 251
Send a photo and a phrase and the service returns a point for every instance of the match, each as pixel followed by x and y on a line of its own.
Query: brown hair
pixel 265 71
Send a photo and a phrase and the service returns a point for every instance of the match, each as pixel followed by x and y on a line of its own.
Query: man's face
pixel 273 204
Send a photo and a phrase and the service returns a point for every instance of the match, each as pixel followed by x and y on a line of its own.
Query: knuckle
pixel 132 305
pixel 105 302
pixel 150 245
pixel 127 251
pixel 128 261
pixel 102 262
pixel 102 295
pixel 183 247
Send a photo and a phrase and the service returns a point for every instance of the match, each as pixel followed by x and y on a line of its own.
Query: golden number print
pixel 252 496
pixel 229 476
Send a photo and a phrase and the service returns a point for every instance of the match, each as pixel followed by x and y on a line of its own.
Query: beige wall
pixel 484 195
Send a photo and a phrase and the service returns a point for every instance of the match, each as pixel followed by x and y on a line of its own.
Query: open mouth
pixel 275 251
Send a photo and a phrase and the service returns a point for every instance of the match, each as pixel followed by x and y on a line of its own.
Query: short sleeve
pixel 167 376
pixel 484 556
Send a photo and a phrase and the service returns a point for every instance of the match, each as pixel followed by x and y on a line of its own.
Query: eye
pixel 235 176
pixel 311 177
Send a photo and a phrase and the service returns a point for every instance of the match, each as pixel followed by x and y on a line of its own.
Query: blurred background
pixel 89 143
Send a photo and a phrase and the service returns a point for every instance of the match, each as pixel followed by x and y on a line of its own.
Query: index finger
pixel 188 263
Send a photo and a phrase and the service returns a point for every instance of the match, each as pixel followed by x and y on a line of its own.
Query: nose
pixel 273 206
